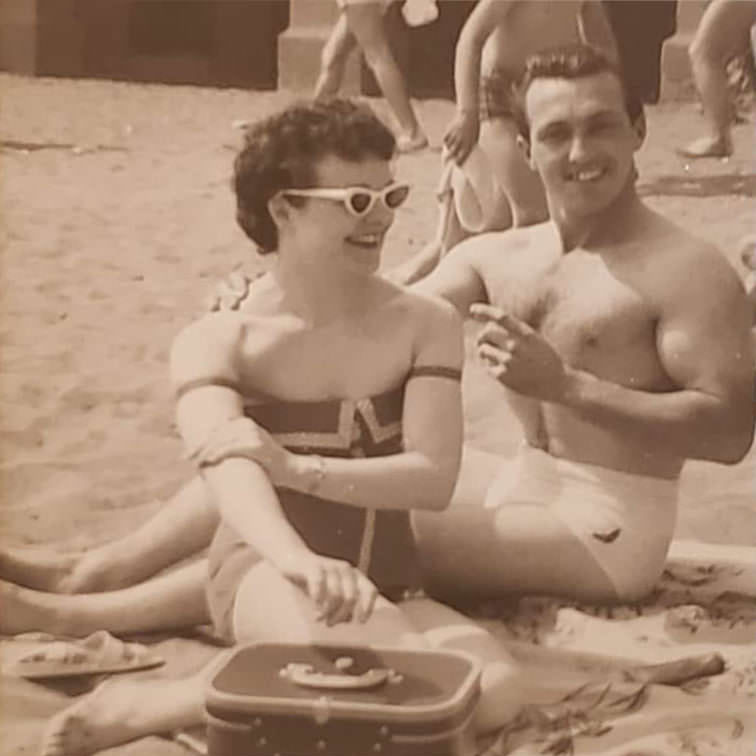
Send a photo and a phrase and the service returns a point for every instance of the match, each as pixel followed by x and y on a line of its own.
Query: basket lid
pixel 350 682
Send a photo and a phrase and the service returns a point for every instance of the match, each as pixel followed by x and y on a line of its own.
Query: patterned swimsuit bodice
pixel 381 542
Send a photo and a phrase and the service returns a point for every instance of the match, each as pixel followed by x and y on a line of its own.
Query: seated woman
pixel 348 390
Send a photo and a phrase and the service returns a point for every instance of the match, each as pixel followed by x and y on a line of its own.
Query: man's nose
pixel 578 148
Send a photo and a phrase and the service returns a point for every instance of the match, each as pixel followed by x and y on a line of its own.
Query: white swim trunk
pixel 625 521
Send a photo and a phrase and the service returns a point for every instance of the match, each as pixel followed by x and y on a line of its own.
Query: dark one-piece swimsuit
pixel 380 542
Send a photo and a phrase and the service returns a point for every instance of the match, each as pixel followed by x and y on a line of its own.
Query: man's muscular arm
pixel 456 278
pixel 704 346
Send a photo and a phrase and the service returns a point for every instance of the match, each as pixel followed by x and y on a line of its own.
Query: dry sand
pixel 110 248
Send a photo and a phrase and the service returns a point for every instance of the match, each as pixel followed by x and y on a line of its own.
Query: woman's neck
pixel 320 296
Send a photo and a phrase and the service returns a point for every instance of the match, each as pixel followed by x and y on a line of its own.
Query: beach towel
pixel 705 604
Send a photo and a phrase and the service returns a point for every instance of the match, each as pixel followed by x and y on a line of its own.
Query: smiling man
pixel 622 343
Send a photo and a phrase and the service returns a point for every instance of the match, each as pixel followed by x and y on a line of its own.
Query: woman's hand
pixel 339 590
pixel 462 135
pixel 242 437
pixel 519 357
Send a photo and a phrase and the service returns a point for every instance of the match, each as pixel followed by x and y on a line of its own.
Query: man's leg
pixel 365 22
pixel 722 33
pixel 333 60
pixel 469 550
pixel 182 527
pixel 167 602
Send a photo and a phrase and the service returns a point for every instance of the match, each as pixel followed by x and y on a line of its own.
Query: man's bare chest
pixel 578 304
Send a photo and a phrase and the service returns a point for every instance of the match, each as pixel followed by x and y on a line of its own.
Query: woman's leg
pixel 269 608
pixel 365 22
pixel 512 549
pixel 333 60
pixel 527 199
pixel 182 527
pixel 722 33
pixel 173 600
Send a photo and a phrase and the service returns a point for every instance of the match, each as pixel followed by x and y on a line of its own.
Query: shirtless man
pixel 494 44
pixel 617 374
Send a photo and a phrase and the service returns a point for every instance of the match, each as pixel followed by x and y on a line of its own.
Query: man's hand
pixel 462 135
pixel 243 437
pixel 518 357
pixel 339 590
pixel 229 293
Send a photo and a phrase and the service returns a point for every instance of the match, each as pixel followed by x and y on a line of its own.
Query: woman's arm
pixel 204 356
pixel 462 134
pixel 424 474
pixel 204 368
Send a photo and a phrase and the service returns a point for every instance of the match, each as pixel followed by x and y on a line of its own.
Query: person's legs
pixel 722 33
pixel 523 187
pixel 173 600
pixel 182 527
pixel 365 22
pixel 121 710
pixel 333 60
pixel 470 550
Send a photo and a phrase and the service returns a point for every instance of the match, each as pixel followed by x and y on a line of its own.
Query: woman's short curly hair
pixel 281 152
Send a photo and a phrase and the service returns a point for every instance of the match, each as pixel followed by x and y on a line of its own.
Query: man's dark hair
pixel 569 62
pixel 281 152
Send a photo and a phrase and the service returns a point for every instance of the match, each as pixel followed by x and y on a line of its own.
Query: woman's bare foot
pixel 119 711
pixel 37 568
pixel 26 610
pixel 707 147
pixel 53 572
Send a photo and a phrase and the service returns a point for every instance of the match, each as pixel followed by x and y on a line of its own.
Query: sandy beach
pixel 116 222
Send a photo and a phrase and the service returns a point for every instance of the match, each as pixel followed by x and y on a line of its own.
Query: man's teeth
pixel 591 175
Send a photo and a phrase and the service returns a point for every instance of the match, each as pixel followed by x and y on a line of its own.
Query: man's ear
pixel 639 127
pixel 524 146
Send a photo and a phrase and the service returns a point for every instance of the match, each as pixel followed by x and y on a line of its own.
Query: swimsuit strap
pixel 437 371
pixel 417 371
pixel 200 382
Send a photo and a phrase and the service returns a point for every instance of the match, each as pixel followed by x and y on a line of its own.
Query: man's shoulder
pixel 688 252
pixel 489 245
pixel 686 264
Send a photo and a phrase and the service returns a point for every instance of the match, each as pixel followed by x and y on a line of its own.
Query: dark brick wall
pixel 206 42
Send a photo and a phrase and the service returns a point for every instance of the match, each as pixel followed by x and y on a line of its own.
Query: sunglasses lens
pixel 396 197
pixel 360 202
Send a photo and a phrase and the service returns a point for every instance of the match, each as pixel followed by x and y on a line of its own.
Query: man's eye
pixel 554 135
pixel 601 127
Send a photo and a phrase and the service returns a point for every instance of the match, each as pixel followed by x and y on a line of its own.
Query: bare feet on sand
pixel 707 147
pixel 119 711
